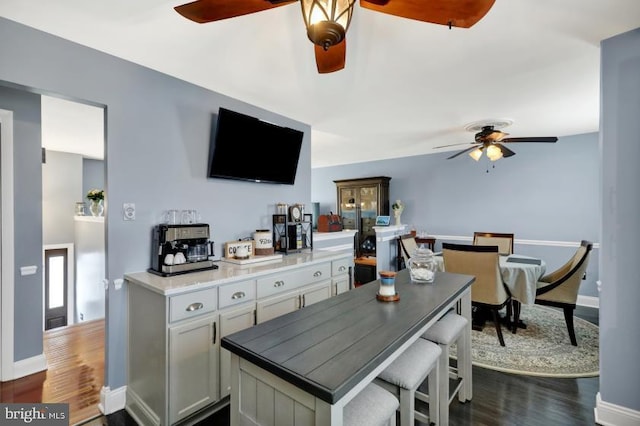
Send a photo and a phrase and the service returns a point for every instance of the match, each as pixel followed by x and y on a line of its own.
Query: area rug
pixel 542 349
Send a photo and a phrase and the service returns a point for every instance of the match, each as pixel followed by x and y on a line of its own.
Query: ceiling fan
pixel 491 140
pixel 327 21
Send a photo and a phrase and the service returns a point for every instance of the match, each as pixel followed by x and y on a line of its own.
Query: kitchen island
pixel 304 367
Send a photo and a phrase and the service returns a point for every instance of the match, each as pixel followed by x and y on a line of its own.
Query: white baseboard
pixel 588 301
pixel 112 400
pixel 28 366
pixel 608 414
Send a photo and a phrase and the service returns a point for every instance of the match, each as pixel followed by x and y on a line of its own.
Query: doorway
pixel 56 283
pixel 73 164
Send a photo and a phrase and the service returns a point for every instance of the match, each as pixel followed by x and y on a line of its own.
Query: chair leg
pixel 496 321
pixel 517 307
pixel 407 406
pixel 568 318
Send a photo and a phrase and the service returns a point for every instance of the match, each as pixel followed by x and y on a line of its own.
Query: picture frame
pixel 383 220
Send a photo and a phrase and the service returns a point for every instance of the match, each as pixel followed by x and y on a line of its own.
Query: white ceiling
pixel 407 86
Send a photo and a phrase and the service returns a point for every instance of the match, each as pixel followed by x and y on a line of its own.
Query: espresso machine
pixel 179 249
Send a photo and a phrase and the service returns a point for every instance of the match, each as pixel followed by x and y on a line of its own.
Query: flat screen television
pixel 247 148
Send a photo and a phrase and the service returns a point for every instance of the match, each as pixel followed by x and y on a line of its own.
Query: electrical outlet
pixel 129 211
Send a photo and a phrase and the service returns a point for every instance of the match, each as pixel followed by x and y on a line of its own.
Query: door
pixel 277 305
pixel 55 288
pixel 231 322
pixel 193 355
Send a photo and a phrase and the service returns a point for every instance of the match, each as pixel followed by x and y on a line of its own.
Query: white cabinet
pixel 315 293
pixel 176 366
pixel 193 366
pixel 232 320
pixel 275 306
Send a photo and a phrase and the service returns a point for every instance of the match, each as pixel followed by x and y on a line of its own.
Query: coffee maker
pixel 178 249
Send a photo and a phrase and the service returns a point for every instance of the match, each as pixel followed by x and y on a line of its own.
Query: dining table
pixel 520 273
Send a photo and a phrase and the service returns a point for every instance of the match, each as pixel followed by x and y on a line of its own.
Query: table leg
pixel 466 392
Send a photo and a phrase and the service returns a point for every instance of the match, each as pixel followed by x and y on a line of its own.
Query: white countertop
pixel 322 236
pixel 228 272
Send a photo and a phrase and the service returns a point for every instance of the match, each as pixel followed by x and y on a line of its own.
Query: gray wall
pixel 27 217
pixel 546 192
pixel 157 143
pixel 61 189
pixel 620 147
pixel 92 177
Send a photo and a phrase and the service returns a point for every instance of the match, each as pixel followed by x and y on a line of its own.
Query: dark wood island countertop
pixel 327 348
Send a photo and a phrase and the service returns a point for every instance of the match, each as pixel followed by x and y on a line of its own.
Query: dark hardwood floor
pixel 499 399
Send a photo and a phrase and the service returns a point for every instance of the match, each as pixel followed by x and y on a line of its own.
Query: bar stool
pixel 406 373
pixel 373 406
pixel 446 331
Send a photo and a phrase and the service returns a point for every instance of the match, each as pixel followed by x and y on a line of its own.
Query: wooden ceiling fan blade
pixel 506 152
pixel 547 139
pixel 461 152
pixel 457 13
pixel 454 144
pixel 203 11
pixel 332 59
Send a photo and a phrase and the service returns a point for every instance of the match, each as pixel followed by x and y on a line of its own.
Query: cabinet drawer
pixel 233 294
pixel 339 267
pixel 277 283
pixel 193 304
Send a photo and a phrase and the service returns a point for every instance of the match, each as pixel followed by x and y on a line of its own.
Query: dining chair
pixel 488 291
pixel 407 244
pixel 503 241
pixel 560 287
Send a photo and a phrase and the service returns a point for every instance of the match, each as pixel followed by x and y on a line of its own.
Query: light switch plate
pixel 129 211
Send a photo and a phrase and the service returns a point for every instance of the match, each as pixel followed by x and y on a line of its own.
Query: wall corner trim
pixel 28 366
pixel 112 400
pixel 608 414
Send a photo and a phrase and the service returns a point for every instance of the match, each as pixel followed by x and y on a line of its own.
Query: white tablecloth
pixel 521 278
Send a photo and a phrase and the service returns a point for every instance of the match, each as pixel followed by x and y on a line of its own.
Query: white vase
pixel 96 208
pixel 396 215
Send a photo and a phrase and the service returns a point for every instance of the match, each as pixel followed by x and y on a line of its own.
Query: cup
pixel 171 217
pixel 179 258
pixel 187 217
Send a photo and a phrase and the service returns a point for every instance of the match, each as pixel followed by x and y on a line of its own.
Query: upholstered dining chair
pixel 503 241
pixel 407 246
pixel 488 291
pixel 560 287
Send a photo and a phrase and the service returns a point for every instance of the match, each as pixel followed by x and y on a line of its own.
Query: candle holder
pixel 387 291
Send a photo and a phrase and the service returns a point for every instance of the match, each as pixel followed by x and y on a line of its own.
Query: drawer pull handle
pixel 194 307
pixel 238 295
pixel 278 284
pixel 342 268
pixel 317 274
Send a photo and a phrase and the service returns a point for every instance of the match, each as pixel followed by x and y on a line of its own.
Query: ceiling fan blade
pixel 456 13
pixel 506 152
pixel 550 139
pixel 203 11
pixel 332 59
pixel 454 144
pixel 461 152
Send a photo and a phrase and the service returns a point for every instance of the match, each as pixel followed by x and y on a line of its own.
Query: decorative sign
pixel 239 249
pixel 383 220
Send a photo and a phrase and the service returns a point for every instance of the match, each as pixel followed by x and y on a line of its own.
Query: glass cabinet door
pixel 368 200
pixel 348 204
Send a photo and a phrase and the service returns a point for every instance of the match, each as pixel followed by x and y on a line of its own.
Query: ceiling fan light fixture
pixel 327 21
pixel 494 153
pixel 476 154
